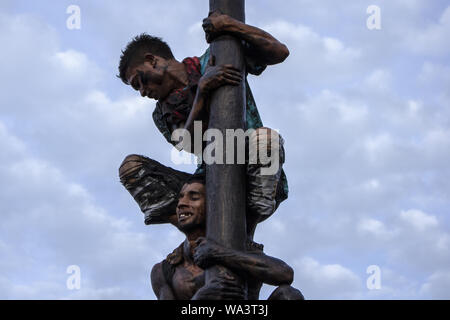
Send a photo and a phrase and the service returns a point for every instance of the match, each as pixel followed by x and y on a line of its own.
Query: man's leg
pixel 264 171
pixel 154 186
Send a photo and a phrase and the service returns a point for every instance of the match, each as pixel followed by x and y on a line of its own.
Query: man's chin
pixel 185 226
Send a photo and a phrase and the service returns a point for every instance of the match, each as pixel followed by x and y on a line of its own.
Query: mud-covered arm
pixel 221 287
pixel 198 108
pixel 265 48
pixel 255 264
pixel 161 288
pixel 213 78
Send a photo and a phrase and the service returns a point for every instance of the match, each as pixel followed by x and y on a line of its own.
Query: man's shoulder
pixel 163 271
pixel 157 276
pixel 176 256
pixel 173 258
pixel 157 270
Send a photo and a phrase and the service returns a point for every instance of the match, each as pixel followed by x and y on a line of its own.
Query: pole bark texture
pixel 225 194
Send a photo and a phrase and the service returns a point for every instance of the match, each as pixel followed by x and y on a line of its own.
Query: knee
pixel 266 136
pixel 130 164
pixel 266 141
pixel 286 292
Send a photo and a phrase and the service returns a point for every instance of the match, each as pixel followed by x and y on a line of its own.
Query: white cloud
pixel 420 235
pixel 13 144
pixel 434 74
pixel 379 80
pixel 374 227
pixel 432 40
pixel 318 59
pixel 437 285
pixel 76 230
pixel 72 61
pixel 329 281
pixel 372 184
pixel 419 220
pixel 377 146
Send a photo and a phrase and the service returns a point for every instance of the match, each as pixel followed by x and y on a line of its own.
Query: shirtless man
pixel 181 275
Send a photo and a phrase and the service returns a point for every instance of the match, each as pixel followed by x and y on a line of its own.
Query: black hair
pixel 196 177
pixel 137 47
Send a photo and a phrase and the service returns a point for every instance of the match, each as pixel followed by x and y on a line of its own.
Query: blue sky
pixel 364 113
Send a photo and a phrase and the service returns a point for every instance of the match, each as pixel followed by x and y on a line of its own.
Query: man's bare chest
pixel 187 279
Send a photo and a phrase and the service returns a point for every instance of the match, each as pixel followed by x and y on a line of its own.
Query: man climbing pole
pixel 209 89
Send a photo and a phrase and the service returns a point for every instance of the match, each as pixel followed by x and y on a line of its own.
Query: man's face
pixel 148 77
pixel 191 206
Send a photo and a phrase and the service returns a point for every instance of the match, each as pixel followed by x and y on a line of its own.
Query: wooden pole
pixel 225 183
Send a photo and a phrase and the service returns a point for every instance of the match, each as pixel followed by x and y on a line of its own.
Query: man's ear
pixel 148 57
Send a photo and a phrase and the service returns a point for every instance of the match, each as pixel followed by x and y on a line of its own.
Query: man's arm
pixel 160 287
pixel 267 269
pixel 266 49
pixel 220 287
pixel 198 107
pixel 213 78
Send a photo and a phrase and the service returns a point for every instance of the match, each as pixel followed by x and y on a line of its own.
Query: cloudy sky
pixel 365 115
